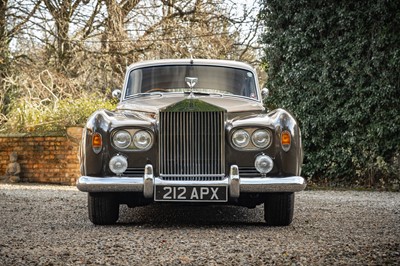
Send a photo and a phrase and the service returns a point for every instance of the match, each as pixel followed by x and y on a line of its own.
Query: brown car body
pixel 191 131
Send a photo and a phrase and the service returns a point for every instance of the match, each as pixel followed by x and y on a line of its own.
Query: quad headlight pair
pixel 133 139
pixel 251 139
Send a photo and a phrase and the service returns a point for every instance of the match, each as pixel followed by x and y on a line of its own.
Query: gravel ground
pixel 48 225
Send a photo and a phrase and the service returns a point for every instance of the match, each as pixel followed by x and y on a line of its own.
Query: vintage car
pixel 191 131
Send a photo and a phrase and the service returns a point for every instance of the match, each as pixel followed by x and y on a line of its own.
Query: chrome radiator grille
pixel 191 145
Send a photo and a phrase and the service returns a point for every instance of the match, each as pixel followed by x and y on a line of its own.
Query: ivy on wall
pixel 336 66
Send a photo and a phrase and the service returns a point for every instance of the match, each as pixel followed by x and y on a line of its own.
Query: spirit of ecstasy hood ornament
pixel 191 81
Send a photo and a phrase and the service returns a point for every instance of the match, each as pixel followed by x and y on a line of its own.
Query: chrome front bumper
pixel 235 183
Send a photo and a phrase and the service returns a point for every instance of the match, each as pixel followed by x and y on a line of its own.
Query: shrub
pixel 335 65
pixel 40 117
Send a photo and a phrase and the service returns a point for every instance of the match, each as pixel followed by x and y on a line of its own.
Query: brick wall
pixel 43 159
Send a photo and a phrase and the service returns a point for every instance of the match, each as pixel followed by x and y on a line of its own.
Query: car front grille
pixel 192 145
pixel 248 172
pixel 134 172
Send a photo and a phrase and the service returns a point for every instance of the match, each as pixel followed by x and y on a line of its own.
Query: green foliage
pixel 335 65
pixel 32 116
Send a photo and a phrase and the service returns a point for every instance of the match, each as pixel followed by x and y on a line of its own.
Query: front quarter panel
pixel 91 162
pixel 291 160
pixel 286 163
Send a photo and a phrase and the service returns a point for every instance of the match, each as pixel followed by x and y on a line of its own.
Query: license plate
pixel 191 193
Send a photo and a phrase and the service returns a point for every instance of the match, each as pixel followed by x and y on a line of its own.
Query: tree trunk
pixel 64 55
pixel 4 42
pixel 4 54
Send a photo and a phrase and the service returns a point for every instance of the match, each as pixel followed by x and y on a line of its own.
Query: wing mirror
pixel 264 93
pixel 116 94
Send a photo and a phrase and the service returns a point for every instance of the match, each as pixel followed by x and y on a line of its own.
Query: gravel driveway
pixel 48 225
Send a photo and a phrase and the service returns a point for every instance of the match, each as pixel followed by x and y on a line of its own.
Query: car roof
pixel 188 61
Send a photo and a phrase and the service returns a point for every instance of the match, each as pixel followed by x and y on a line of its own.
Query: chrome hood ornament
pixel 191 82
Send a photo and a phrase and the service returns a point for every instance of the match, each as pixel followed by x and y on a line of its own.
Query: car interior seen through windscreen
pixel 210 79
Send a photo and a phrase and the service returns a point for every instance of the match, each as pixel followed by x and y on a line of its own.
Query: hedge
pixel 336 66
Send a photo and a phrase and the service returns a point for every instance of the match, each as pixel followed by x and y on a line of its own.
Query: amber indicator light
pixel 96 140
pixel 285 138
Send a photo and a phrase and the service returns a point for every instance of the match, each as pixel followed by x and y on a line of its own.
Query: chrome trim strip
pixel 193 175
pixel 161 182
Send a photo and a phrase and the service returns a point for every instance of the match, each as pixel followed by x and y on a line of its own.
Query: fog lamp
pixel 118 164
pixel 263 164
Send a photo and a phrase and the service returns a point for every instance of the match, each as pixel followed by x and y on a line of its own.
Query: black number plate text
pixel 191 193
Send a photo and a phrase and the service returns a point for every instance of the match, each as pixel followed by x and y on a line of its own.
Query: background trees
pixel 335 64
pixel 57 55
pixel 13 19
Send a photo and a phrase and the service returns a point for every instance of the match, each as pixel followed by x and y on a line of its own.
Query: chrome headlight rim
pixel 243 134
pixel 137 139
pixel 115 139
pixel 268 141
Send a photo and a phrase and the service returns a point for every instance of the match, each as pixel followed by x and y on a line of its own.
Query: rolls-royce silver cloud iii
pixel 191 131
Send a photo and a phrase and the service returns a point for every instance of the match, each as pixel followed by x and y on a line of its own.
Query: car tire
pixel 103 208
pixel 278 209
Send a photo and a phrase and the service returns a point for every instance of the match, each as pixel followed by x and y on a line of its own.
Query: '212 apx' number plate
pixel 191 193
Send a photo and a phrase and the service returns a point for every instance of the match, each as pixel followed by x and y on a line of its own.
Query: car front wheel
pixel 103 208
pixel 278 209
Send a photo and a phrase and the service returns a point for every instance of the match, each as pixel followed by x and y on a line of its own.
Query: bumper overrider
pixel 233 182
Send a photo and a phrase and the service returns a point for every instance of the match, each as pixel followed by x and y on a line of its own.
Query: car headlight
pixel 261 138
pixel 142 139
pixel 122 139
pixel 240 138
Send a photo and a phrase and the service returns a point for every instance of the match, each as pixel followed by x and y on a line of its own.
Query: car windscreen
pixel 209 79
